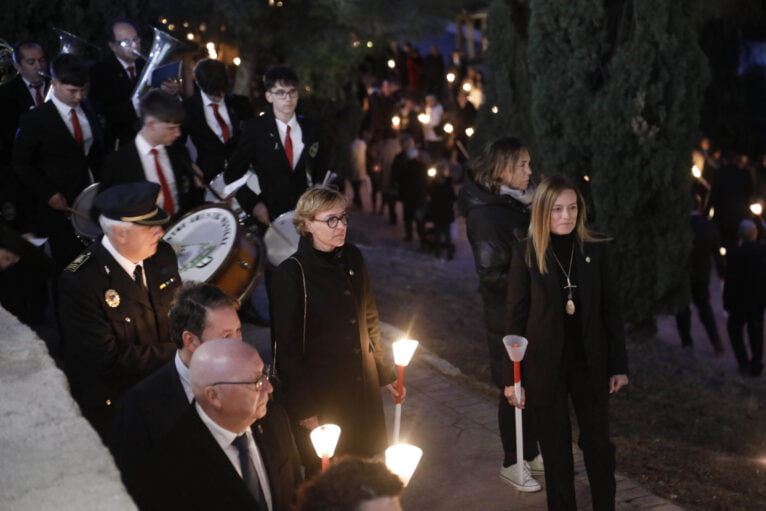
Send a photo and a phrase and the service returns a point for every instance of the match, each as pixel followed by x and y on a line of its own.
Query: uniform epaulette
pixel 79 261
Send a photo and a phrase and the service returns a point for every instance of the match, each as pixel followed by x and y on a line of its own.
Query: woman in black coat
pixel 328 352
pixel 495 203
pixel 562 297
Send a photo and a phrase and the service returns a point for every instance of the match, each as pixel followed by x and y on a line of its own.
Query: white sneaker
pixel 525 483
pixel 536 466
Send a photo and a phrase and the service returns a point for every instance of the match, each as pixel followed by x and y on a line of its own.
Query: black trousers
pixel 701 300
pixel 753 318
pixel 554 430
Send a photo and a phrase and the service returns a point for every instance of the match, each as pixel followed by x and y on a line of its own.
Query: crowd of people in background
pixel 138 344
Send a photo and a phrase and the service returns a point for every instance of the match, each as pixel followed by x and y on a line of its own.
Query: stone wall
pixel 50 457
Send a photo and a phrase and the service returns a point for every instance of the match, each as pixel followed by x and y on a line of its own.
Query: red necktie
pixel 132 73
pixel 224 126
pixel 77 129
pixel 289 147
pixel 38 93
pixel 167 197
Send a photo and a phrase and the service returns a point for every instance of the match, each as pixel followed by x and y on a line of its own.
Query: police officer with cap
pixel 114 302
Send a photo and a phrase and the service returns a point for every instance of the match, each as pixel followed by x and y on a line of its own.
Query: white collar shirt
pixel 65 113
pixel 212 122
pixel 224 438
pixel 296 135
pixel 126 65
pixel 125 263
pixel 33 90
pixel 150 169
pixel 183 375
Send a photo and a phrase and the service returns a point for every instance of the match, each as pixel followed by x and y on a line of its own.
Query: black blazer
pixel 535 311
pixel 124 166
pixel 48 160
pixel 115 335
pixel 144 415
pixel 212 153
pixel 110 92
pixel 171 478
pixel 15 99
pixel 259 145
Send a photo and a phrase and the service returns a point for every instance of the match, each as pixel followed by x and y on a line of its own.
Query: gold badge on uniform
pixel 112 298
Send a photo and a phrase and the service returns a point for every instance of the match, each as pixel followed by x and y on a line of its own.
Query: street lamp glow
pixel 211 51
pixel 495 109
pixel 404 348
pixel 402 460
pixel 451 77
pixel 448 128
pixel 469 131
pixel 467 87
pixel 391 63
pixel 424 118
pixel 696 172
pixel 237 61
pixel 756 208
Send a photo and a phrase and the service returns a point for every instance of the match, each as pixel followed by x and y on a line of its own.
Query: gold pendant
pixel 570 307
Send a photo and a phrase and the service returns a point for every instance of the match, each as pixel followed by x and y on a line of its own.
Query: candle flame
pixel 696 172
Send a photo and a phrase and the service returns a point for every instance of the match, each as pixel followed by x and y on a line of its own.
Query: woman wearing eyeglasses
pixel 325 323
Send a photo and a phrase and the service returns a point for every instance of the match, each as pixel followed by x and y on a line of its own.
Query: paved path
pixel 456 426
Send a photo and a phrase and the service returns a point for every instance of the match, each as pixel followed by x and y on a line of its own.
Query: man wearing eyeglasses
pixel 282 148
pixel 114 79
pixel 232 436
pixel 201 312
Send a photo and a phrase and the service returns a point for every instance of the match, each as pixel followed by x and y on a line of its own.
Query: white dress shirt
pixel 183 375
pixel 224 437
pixel 65 112
pixel 212 122
pixel 296 135
pixel 150 169
pixel 43 91
pixel 123 261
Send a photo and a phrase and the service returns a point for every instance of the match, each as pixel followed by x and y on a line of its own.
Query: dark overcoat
pixel 535 311
pixel 336 371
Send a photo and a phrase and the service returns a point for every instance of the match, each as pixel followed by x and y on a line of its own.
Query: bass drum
pixel 85 227
pixel 281 238
pixel 212 247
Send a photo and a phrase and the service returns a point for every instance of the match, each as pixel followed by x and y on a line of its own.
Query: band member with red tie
pixel 281 146
pixel 26 90
pixel 152 156
pixel 114 80
pixel 58 151
pixel 214 117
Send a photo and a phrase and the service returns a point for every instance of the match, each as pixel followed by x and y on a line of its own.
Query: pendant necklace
pixel 570 306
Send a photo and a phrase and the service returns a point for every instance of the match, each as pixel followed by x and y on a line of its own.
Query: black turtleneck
pixel 562 246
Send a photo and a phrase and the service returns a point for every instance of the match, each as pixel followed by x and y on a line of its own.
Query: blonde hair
pixel 540 223
pixel 314 200
pixel 487 168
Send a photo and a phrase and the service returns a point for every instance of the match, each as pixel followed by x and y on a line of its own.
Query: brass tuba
pixel 7 69
pixel 163 45
pixel 74 45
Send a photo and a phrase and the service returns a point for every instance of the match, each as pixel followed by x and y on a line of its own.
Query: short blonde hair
pixel 316 199
pixel 487 168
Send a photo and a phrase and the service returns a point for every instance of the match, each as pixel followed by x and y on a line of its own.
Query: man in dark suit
pixel 214 117
pixel 114 302
pixel 282 148
pixel 152 156
pixel 25 91
pixel 114 80
pixel 232 434
pixel 59 151
pixel 149 410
